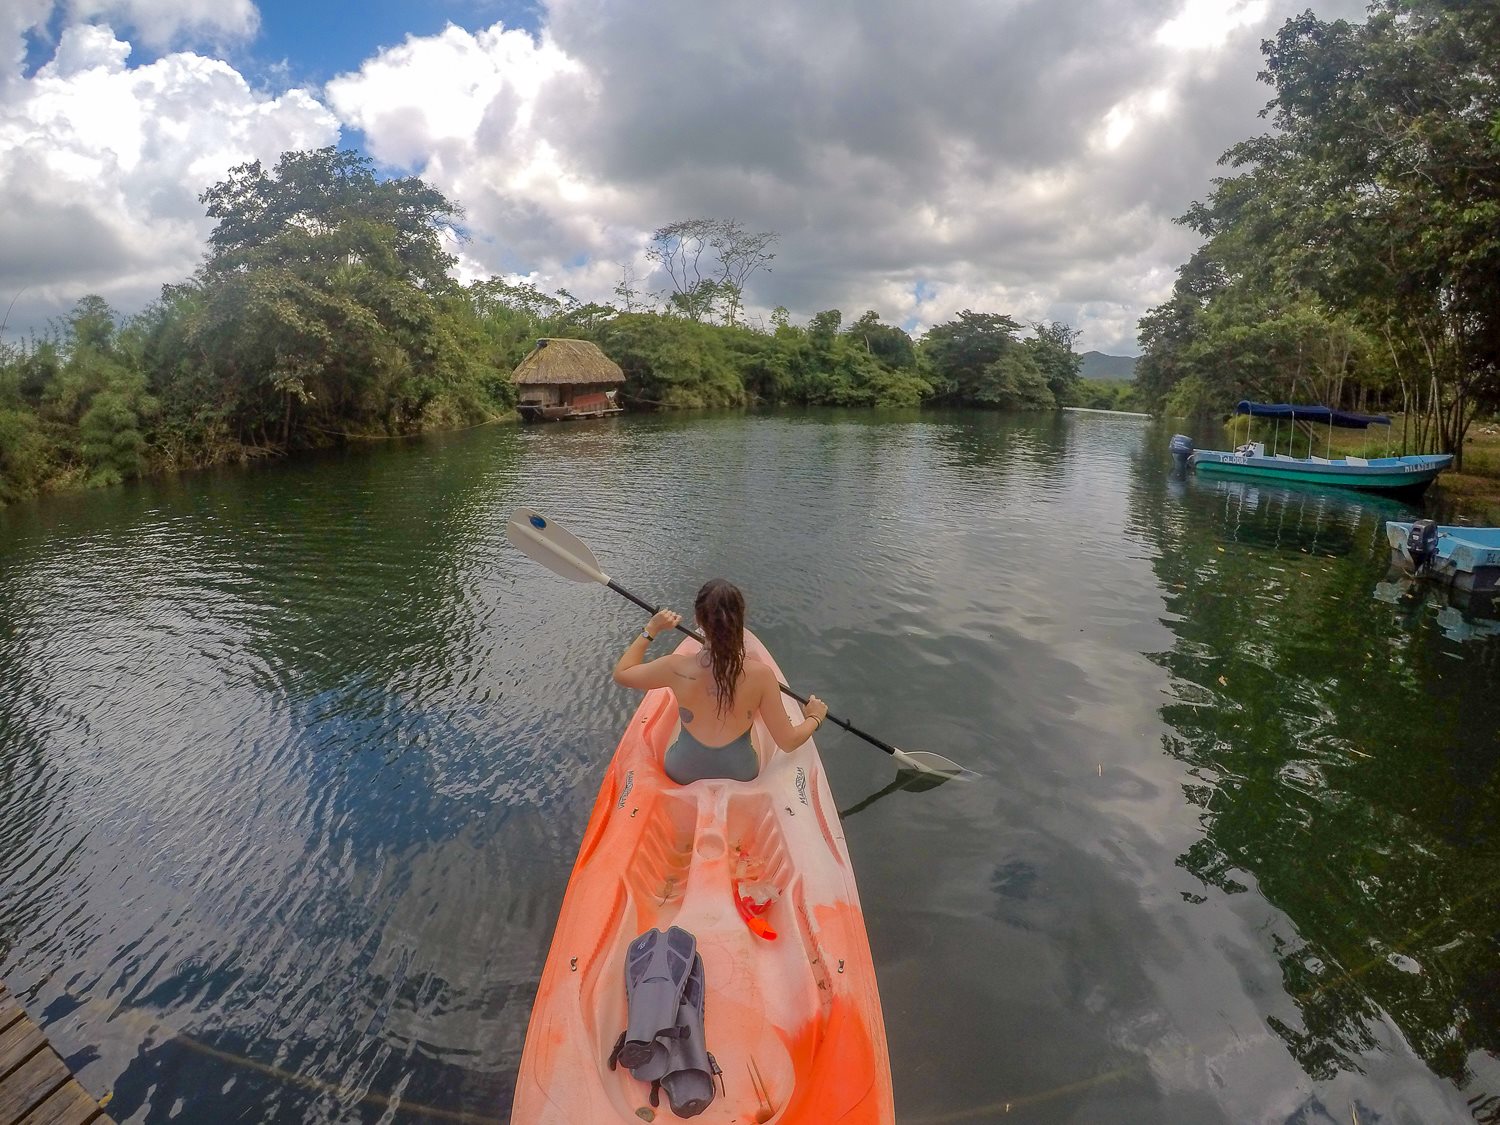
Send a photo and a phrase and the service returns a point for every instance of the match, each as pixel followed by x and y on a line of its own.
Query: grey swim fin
pixel 657 966
pixel 690 1069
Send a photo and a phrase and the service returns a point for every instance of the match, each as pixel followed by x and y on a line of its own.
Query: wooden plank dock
pixel 35 1086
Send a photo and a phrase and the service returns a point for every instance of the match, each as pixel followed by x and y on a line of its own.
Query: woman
pixel 718 691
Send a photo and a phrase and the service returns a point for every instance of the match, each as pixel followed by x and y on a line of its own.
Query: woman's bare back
pixel 690 676
pixel 698 700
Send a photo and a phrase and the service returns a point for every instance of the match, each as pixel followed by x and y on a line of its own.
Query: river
pixel 294 762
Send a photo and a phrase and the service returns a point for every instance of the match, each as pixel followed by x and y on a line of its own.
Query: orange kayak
pixel 793 1019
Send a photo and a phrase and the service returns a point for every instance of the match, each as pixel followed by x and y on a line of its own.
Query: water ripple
pixel 295 761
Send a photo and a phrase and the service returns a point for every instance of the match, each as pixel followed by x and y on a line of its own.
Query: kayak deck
pixel 794 1022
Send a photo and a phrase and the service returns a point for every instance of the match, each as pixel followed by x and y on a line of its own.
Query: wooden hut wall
pixel 540 394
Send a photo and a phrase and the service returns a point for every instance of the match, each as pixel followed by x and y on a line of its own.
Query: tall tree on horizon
pixel 1373 207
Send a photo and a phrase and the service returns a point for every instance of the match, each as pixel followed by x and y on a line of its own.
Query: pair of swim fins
pixel 663 1042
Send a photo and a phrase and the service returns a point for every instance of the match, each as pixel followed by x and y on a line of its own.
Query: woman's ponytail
pixel 720 609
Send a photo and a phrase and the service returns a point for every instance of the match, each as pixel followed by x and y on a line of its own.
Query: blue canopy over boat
pixel 1325 414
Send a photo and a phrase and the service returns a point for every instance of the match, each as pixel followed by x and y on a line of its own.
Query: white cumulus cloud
pixel 468 112
pixel 1026 159
pixel 999 157
pixel 164 23
pixel 101 165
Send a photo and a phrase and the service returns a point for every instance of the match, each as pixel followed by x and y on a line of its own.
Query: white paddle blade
pixel 924 761
pixel 554 546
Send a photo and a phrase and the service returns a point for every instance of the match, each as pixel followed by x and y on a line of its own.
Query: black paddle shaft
pixel 697 636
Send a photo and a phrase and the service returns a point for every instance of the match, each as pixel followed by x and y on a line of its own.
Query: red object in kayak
pixel 751 913
pixel 801 1013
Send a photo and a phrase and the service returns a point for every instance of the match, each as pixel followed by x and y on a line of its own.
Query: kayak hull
pixel 794 1022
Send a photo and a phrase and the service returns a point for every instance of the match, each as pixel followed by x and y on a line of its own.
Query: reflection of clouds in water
pixel 392 726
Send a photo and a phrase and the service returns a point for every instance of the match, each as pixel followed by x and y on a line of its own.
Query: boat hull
pixel 1468 558
pixel 802 1012
pixel 1391 475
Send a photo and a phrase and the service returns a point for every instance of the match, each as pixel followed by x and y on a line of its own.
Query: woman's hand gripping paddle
pixel 562 552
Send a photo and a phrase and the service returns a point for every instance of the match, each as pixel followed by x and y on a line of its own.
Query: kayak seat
pixel 658 871
pixel 687 760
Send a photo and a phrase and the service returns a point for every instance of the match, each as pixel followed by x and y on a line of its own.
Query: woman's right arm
pixel 774 715
pixel 633 670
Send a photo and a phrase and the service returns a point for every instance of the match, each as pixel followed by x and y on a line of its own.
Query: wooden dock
pixel 35 1086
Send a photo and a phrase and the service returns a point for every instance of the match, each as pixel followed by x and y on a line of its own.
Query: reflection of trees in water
pixel 1343 762
pixel 374 548
pixel 998 442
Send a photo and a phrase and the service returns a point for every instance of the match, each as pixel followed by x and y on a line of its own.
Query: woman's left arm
pixel 633 670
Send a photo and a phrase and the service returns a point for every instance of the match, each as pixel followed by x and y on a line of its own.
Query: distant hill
pixel 1097 365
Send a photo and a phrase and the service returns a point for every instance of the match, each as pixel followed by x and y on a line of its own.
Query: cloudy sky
pixel 1017 156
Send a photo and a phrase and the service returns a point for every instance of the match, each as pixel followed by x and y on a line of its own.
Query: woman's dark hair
pixel 720 610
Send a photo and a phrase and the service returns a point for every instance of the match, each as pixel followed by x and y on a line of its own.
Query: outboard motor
pixel 1422 544
pixel 1182 449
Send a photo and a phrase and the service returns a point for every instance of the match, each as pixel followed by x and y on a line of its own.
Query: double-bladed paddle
pixel 562 552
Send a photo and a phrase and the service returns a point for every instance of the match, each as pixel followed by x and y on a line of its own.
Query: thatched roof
pixel 574 362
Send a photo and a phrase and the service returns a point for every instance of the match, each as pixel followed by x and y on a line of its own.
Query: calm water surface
pixel 294 763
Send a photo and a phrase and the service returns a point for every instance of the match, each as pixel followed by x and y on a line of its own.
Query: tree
pixel 628 289
pixel 325 306
pixel 91 324
pixel 709 262
pixel 739 254
pixel 1373 209
pixel 110 431
pixel 326 208
pixel 965 357
pixel 673 362
pixel 25 452
pixel 823 327
pixel 1051 350
pixel 888 344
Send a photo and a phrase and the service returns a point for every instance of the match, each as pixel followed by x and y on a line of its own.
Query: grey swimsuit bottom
pixel 688 760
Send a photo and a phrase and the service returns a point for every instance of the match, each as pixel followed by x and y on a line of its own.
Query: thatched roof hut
pixel 567 379
pixel 570 363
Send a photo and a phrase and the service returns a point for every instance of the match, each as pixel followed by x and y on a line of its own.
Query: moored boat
pixel 600 404
pixel 793 1021
pixel 1408 475
pixel 1467 558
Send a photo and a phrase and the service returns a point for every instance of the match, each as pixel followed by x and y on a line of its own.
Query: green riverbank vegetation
pixel 1353 255
pixel 325 312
